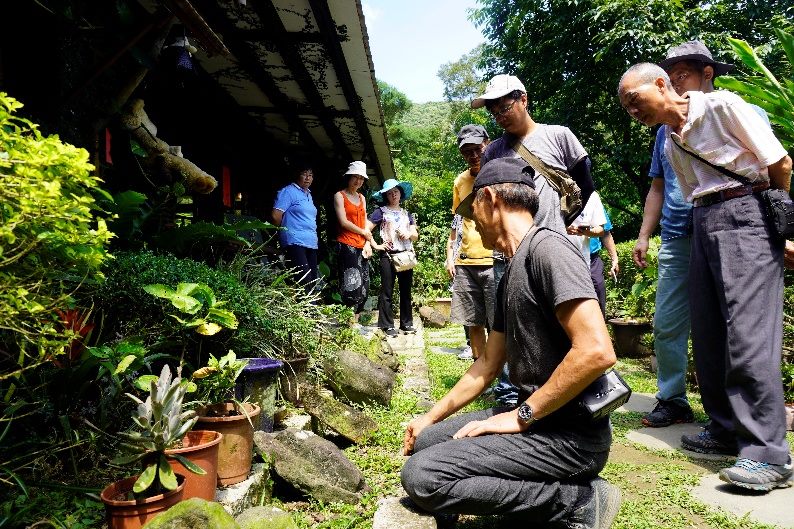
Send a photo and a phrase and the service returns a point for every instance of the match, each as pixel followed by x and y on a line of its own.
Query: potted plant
pixel 222 413
pixel 635 311
pixel 131 502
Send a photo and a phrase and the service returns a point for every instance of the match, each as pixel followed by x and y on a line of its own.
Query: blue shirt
pixel 595 242
pixel 676 211
pixel 300 217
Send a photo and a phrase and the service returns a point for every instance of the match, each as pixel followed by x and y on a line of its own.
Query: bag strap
pixel 721 169
pixel 537 164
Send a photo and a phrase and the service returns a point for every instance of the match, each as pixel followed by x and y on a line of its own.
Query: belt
pixel 727 194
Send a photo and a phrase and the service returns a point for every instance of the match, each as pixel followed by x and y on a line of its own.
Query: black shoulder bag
pixel 606 393
pixel 777 203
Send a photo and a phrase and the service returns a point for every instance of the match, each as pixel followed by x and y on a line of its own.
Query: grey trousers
pixel 540 475
pixel 736 306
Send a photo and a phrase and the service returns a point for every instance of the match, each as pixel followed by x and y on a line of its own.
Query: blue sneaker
pixel 706 443
pixel 756 475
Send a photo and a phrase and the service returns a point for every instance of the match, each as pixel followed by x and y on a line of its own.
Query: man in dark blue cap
pixel 538 461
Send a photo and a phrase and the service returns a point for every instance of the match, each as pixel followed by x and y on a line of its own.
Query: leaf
pixel 223 317
pixel 190 465
pixel 208 329
pixel 137 150
pixel 124 364
pixel 787 41
pixel 144 382
pixel 167 476
pixel 146 479
pixel 127 459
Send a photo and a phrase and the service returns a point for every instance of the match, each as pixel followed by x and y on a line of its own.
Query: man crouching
pixel 539 461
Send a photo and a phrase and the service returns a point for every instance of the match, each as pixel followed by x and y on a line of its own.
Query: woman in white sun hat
pixel 354 238
pixel 397 231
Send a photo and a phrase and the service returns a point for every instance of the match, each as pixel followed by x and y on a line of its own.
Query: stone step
pixel 399 513
pixel 639 402
pixel 774 508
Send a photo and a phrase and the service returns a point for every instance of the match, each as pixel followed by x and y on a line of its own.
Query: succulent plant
pixel 162 424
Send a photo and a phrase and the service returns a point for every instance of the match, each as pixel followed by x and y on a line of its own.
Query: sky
pixel 410 39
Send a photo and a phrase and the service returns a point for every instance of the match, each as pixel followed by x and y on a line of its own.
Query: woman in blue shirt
pixel 294 210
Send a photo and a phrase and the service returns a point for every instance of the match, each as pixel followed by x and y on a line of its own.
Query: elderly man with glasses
pixel 506 99
pixel 725 156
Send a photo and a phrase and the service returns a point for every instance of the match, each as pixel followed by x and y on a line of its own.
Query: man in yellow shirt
pixel 473 287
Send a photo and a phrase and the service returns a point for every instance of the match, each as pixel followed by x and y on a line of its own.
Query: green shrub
pixel 634 293
pixel 431 279
pixel 50 238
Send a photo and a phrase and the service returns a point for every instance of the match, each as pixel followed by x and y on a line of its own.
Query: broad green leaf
pixel 127 459
pixel 124 364
pixel 787 42
pixel 137 150
pixel 146 479
pixel 160 291
pixel 208 329
pixel 223 317
pixel 190 465
pixel 144 382
pixel 167 476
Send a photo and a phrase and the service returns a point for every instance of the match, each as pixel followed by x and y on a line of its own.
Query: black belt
pixel 727 194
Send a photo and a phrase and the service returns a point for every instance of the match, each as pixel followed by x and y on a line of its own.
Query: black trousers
pixel 387 277
pixel 597 275
pixel 304 261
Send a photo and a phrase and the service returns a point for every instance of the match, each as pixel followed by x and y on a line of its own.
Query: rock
pixel 341 418
pixel 240 496
pixel 432 318
pixel 266 517
pixel 194 513
pixel 400 512
pixel 299 421
pixel 313 465
pixel 384 354
pixel 359 379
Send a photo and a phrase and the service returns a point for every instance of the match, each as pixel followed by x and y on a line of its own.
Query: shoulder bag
pixel 560 181
pixel 777 203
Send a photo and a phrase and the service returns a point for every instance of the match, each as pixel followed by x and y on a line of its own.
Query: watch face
pixel 525 412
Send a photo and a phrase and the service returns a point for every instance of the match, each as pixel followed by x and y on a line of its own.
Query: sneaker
pixel 666 413
pixel 408 329
pixel 600 511
pixel 755 475
pixel 706 443
pixel 466 354
pixel 391 332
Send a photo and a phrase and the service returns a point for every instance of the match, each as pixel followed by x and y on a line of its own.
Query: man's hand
pixel 615 268
pixel 640 253
pixel 413 430
pixel 450 266
pixel 503 423
pixel 788 255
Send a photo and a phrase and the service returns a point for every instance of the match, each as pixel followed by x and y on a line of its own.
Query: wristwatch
pixel 525 415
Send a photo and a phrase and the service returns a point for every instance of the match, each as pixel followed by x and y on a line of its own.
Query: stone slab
pixel 774 507
pixel 446 350
pixel 299 421
pixel 398 513
pixel 669 438
pixel 639 402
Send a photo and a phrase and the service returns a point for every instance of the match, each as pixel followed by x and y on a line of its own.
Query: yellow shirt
pixel 471 251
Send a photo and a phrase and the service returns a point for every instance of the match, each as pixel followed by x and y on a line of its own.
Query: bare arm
pixel 473 382
pixel 650 219
pixel 609 243
pixel 277 215
pixel 449 264
pixel 780 174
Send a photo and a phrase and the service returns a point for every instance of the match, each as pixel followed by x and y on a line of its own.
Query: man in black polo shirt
pixel 539 461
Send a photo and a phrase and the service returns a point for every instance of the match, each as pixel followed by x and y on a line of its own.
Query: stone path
pixel 774 508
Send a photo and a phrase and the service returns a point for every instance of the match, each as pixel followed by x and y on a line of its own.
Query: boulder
pixel 252 491
pixel 358 379
pixel 432 318
pixel 194 513
pixel 385 355
pixel 265 517
pixel 313 465
pixel 341 418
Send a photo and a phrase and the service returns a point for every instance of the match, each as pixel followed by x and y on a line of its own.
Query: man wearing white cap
pixel 506 99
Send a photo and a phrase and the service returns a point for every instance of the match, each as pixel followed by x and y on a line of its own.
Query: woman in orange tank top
pixel 354 239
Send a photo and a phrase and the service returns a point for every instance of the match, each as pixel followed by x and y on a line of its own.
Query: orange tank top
pixel 356 214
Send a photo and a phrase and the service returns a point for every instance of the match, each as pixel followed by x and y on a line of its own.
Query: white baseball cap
pixel 359 168
pixel 499 86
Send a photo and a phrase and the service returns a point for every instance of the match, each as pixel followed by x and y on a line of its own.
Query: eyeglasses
pixel 504 110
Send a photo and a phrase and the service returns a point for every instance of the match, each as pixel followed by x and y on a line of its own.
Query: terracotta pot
pixel 236 448
pixel 790 416
pixel 291 376
pixel 627 335
pixel 258 382
pixel 133 514
pixel 200 447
